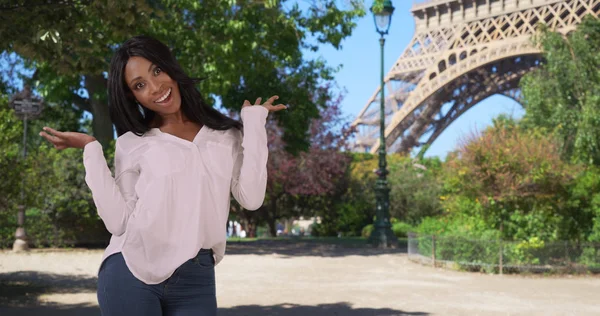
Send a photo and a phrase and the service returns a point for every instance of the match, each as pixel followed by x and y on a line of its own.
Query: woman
pixel 176 161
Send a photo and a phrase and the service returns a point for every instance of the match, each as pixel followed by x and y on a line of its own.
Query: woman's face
pixel 152 87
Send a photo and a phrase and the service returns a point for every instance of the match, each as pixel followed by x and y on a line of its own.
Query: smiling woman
pixel 177 160
pixel 144 72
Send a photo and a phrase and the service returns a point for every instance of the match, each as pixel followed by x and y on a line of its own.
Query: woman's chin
pixel 170 108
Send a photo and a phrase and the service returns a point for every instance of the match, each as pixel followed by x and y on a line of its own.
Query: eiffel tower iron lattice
pixel 463 51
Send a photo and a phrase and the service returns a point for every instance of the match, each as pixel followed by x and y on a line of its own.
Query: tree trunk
pixel 101 123
pixel 272 218
pixel 272 227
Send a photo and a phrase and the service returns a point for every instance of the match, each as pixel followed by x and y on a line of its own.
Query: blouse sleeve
pixel 115 198
pixel 249 180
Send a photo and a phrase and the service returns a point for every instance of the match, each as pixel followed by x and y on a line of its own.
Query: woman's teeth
pixel 164 97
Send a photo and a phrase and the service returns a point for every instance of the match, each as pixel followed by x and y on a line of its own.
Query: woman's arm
pixel 115 198
pixel 250 154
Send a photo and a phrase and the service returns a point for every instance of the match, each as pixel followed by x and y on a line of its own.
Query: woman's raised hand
pixel 63 140
pixel 269 104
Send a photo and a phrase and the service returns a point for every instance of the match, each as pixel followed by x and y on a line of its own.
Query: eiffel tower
pixel 463 51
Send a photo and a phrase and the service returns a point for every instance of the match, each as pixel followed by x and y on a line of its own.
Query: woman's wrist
pixel 89 141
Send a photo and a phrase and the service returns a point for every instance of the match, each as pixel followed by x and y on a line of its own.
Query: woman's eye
pixel 139 86
pixel 157 70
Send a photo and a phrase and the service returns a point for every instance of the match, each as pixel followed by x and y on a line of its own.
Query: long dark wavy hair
pixel 124 111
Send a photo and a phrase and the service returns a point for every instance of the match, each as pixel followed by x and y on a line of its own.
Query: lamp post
pixel 382 235
pixel 26 107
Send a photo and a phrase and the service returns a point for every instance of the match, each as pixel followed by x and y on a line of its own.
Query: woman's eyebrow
pixel 138 77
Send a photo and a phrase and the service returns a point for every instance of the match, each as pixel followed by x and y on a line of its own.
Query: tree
pixel 296 182
pixel 59 206
pixel 11 133
pixel 245 48
pixel 414 193
pixel 515 175
pixel 563 96
pixel 415 188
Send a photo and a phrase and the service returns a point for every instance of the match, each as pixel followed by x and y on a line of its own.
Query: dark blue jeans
pixel 189 291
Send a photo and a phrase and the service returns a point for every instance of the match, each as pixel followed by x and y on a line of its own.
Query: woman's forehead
pixel 136 66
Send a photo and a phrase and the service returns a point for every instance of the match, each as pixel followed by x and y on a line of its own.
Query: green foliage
pixel 524 251
pixel 367 231
pixel 11 165
pixel 457 225
pixel 415 187
pixel 515 175
pixel 63 210
pixel 356 207
pixel 590 257
pixel 582 207
pixel 401 229
pixel 246 49
pixel 59 206
pixel 563 96
pixel 414 194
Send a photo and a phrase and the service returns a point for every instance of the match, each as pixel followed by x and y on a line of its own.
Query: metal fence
pixel 497 256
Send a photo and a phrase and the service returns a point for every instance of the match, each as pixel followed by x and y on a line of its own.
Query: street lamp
pixel 382 235
pixel 26 107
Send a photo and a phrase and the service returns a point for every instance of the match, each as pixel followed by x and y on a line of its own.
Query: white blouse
pixel 170 197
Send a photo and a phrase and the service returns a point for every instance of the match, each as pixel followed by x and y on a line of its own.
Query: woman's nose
pixel 154 87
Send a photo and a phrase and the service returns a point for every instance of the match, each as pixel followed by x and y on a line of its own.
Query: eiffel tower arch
pixel 462 52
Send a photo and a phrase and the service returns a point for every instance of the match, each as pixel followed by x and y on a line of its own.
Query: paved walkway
pixel 270 278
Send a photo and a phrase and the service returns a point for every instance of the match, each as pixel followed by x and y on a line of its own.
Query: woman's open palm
pixel 63 140
pixel 269 104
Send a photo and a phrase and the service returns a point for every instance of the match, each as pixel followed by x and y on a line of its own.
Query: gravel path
pixel 305 279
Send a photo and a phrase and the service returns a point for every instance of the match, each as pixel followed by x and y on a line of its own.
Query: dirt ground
pixel 298 278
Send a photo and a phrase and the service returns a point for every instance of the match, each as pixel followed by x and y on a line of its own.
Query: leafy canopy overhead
pixel 245 49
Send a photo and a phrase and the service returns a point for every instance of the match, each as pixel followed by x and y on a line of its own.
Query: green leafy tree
pixel 563 96
pixel 59 206
pixel 11 168
pixel 516 176
pixel 415 188
pixel 245 49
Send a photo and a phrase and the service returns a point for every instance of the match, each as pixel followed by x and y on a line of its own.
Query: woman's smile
pixel 165 99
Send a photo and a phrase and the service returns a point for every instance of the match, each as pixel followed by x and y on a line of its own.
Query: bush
pixel 402 229
pixel 367 230
pixel 514 180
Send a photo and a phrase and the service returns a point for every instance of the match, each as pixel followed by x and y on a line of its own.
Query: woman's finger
pixel 279 107
pixel 51 130
pixel 56 141
pixel 50 138
pixel 275 108
pixel 272 99
pixel 257 102
pixel 246 103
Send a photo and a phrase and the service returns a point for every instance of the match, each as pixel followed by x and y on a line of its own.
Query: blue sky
pixel 360 75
